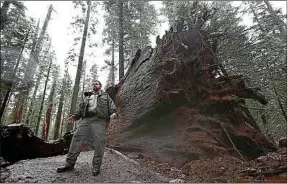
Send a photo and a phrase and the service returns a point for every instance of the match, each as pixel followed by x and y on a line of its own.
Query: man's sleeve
pixel 79 112
pixel 112 107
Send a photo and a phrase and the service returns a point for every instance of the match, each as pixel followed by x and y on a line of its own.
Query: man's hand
pixel 71 119
pixel 113 116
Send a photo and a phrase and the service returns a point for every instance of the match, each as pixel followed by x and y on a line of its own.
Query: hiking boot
pixel 66 167
pixel 95 172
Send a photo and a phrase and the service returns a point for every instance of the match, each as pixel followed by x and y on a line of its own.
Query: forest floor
pixel 134 168
pixel 116 167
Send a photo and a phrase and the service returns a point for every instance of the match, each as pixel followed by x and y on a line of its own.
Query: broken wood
pixel 18 142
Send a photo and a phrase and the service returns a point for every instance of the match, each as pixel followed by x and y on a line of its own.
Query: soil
pixel 137 168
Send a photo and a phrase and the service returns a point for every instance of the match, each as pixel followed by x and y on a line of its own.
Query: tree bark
pixel 121 40
pixel 62 122
pixel 113 62
pixel 59 111
pixel 31 108
pixel 179 109
pixel 4 12
pixel 84 76
pixel 20 143
pixel 69 127
pixel 45 132
pixel 43 98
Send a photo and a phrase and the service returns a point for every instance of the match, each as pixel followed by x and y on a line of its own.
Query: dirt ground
pixel 135 168
pixel 271 168
pixel 115 168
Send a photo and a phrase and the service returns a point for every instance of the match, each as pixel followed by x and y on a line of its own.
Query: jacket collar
pixel 99 92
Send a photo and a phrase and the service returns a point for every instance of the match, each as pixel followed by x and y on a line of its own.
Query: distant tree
pixel 50 103
pixel 132 22
pixel 81 56
pixel 43 96
pixel 60 113
pixel 30 71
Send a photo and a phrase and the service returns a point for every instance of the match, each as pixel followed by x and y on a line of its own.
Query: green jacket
pixel 101 107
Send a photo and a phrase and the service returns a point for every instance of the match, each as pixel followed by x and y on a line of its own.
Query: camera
pixel 88 93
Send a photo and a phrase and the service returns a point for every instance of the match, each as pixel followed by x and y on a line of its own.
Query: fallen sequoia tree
pixel 18 142
pixel 177 103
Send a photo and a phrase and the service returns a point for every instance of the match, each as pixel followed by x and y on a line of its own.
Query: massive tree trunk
pixel 18 142
pixel 79 68
pixel 175 104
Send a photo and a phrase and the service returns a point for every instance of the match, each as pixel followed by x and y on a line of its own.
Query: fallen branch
pixel 243 159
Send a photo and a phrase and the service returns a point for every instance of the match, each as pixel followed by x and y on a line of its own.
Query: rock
pixel 183 176
pixel 283 142
pixel 132 156
pixel 21 177
pixel 140 156
pixel 28 175
pixel 177 181
pixel 175 169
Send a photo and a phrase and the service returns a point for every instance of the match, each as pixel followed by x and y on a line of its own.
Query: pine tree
pixel 80 63
pixel 132 23
pixel 43 95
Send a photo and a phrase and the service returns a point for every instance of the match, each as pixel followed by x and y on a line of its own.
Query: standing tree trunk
pixel 31 67
pixel 84 74
pixel 113 62
pixel 3 19
pixel 7 94
pixel 59 111
pixel 79 68
pixel 47 121
pixel 3 15
pixel 63 119
pixel 39 77
pixel 121 41
pixel 31 108
pixel 34 54
pixel 43 98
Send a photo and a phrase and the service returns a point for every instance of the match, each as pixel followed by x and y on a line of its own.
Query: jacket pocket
pixel 102 107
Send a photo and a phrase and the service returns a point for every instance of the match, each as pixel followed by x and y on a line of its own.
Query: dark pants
pixel 98 128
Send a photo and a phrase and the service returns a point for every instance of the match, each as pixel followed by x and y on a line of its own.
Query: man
pixel 95 111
